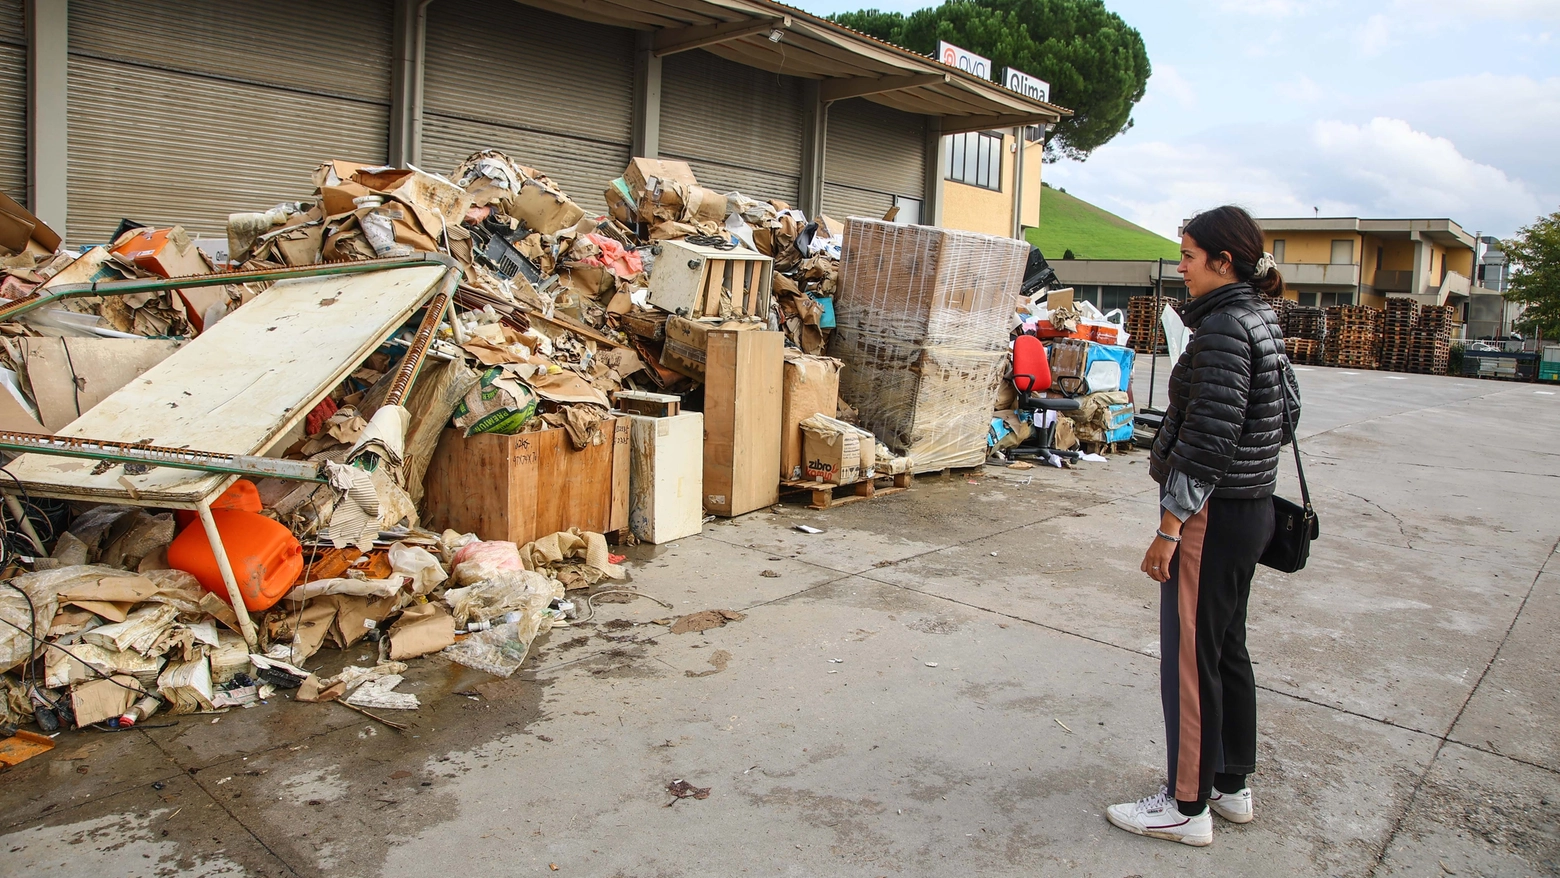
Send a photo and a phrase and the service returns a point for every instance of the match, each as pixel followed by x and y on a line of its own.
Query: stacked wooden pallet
pixel 1398 336
pixel 1303 351
pixel 1353 337
pixel 1432 342
pixel 1280 306
pixel 1141 317
pixel 1304 322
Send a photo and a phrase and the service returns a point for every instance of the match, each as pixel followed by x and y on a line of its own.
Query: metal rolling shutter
pixel 873 154
pixel 740 128
pixel 13 101
pixel 184 113
pixel 551 92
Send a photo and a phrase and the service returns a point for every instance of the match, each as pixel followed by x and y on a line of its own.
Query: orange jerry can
pixel 241 495
pixel 265 557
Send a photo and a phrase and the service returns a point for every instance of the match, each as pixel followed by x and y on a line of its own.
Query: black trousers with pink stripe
pixel 1206 683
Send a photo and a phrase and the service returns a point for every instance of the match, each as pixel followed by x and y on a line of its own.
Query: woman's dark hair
pixel 1230 229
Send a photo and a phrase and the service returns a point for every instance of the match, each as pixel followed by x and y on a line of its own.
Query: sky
pixel 1372 108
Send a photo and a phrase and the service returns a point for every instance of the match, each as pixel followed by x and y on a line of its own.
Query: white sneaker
pixel 1158 817
pixel 1234 807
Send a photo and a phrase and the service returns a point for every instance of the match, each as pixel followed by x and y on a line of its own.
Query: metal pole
pixel 48 296
pixel 235 597
pixel 1153 335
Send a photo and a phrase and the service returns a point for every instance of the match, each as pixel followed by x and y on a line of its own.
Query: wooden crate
pixel 742 420
pixel 522 487
pixel 692 280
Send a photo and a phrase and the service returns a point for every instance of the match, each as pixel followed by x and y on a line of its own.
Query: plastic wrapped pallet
pixel 922 318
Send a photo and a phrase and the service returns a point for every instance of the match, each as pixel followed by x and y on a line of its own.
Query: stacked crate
pixel 1353 337
pixel 1432 342
pixel 1398 333
pixel 1141 317
pixel 1303 351
pixel 1309 324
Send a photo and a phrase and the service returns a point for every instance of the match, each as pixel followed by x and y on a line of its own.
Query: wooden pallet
pixel 826 496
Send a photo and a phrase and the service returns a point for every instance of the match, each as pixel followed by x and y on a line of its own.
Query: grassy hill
pixel 1068 223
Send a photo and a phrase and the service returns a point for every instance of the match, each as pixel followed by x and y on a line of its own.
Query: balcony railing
pixel 1324 275
pixel 1454 284
pixel 1394 281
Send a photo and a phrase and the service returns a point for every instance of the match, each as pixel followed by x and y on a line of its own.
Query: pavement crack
pixel 233 815
pixel 1385 511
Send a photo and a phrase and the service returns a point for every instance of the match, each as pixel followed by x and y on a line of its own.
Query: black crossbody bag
pixel 1294 527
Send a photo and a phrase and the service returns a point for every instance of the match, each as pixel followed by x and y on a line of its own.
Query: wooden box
pixel 693 281
pixel 742 420
pixel 666 477
pixel 522 487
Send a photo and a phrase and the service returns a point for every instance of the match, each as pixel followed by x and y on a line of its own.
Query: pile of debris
pixel 112 612
pixel 106 633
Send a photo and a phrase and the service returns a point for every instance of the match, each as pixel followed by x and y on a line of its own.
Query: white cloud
pixel 1383 168
pixel 1519 10
pixel 1375 36
pixel 1300 91
pixel 1158 184
pixel 1393 170
pixel 1168 82
pixel 1266 8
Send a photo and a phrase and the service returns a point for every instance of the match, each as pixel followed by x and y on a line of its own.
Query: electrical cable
pixel 33 634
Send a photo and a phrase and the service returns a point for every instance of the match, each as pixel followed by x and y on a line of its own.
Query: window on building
pixel 1278 249
pixel 1308 299
pixel 1330 299
pixel 975 159
pixel 1342 253
pixel 909 210
pixel 1381 255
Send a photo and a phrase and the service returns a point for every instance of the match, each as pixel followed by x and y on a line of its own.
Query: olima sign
pixel 1026 85
pixel 964 59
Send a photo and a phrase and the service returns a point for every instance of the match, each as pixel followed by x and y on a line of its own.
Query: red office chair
pixel 1031 377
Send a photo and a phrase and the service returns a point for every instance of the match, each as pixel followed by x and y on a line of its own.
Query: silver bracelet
pixel 1166 537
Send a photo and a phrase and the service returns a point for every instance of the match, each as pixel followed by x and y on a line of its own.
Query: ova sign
pixel 1026 85
pixel 963 59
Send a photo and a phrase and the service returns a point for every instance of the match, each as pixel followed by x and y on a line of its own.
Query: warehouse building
pixel 166 112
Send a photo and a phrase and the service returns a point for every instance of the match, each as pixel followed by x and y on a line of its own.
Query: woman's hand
pixel 1156 561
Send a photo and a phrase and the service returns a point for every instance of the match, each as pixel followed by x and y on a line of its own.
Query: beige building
pixel 988 184
pixel 1352 261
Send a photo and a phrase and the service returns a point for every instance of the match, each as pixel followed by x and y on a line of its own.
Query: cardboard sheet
pixel 421 630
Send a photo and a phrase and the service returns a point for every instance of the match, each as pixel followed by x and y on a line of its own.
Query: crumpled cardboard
pixel 421 630
pixel 436 202
pixel 109 597
pixel 809 386
pixel 18 228
pixel 102 700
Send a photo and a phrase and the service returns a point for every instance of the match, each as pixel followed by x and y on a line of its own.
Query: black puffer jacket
pixel 1226 405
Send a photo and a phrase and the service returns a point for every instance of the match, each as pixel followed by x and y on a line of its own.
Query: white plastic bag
pixel 418 565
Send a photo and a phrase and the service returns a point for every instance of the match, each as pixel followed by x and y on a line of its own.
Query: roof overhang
pixel 1441 231
pixel 847 63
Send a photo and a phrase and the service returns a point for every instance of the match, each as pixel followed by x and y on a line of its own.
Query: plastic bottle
pixel 512 616
pixel 143 709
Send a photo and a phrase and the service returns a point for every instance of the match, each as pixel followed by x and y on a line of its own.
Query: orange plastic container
pixel 265 557
pixel 242 495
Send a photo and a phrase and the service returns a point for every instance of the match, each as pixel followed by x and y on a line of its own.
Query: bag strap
pixel 1294 441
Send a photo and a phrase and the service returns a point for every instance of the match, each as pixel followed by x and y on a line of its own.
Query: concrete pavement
pixel 952 680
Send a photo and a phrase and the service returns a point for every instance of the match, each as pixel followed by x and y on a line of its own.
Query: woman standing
pixel 1216 461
